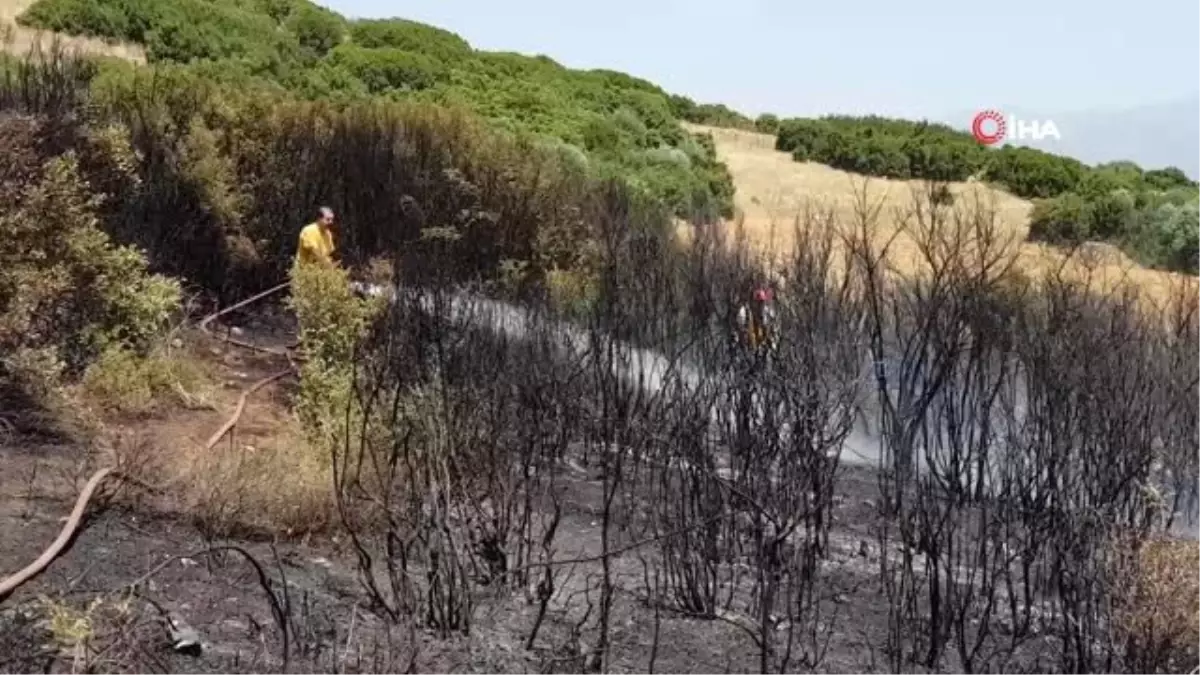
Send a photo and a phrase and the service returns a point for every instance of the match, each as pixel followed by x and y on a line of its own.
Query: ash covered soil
pixel 142 561
pixel 334 628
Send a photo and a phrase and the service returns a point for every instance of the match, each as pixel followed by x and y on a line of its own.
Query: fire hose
pixel 71 526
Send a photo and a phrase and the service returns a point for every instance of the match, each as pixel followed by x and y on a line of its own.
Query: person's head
pixel 762 294
pixel 325 216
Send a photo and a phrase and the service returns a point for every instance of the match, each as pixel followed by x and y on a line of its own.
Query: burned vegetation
pixel 546 451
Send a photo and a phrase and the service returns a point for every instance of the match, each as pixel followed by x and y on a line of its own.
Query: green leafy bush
pixel 387 69
pixel 411 36
pixel 1158 229
pixel 67 293
pixel 332 322
pixel 1168 236
pixel 1165 179
pixel 882 147
pixel 904 149
pixel 1110 215
pixel 1059 221
pixel 711 114
pixel 1032 173
pixel 767 123
pixel 316 29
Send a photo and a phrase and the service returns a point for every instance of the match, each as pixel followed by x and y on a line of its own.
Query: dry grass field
pixel 773 191
pixel 16 39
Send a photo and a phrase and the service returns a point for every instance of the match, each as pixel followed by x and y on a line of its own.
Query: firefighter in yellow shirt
pixel 316 247
pixel 316 240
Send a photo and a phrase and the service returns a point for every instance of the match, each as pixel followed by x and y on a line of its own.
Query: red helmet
pixel 762 294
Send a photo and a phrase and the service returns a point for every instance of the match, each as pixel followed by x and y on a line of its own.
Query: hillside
pixel 774 190
pixel 616 125
pixel 609 122
pixel 1153 216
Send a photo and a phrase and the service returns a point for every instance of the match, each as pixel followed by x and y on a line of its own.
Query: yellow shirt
pixel 316 245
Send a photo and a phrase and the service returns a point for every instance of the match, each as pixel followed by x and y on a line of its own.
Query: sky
pixel 936 59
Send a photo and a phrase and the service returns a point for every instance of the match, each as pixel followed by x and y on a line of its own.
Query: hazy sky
pixel 927 58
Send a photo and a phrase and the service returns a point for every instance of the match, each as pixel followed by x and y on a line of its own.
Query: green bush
pixel 66 291
pixel 903 149
pixel 882 147
pixel 1168 178
pixel 411 36
pixel 767 123
pixel 387 69
pixel 332 320
pixel 1031 173
pixel 1158 229
pixel 1059 221
pixel 332 323
pixel 1111 215
pixel 1168 236
pixel 316 29
pixel 711 114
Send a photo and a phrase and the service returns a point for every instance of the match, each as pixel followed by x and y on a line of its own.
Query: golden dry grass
pixel 773 191
pixel 19 40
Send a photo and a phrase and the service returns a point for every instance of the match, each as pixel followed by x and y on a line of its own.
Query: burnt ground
pixel 222 599
pixel 332 626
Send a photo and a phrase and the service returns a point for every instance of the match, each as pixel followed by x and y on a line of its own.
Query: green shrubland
pixel 332 323
pixel 624 125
